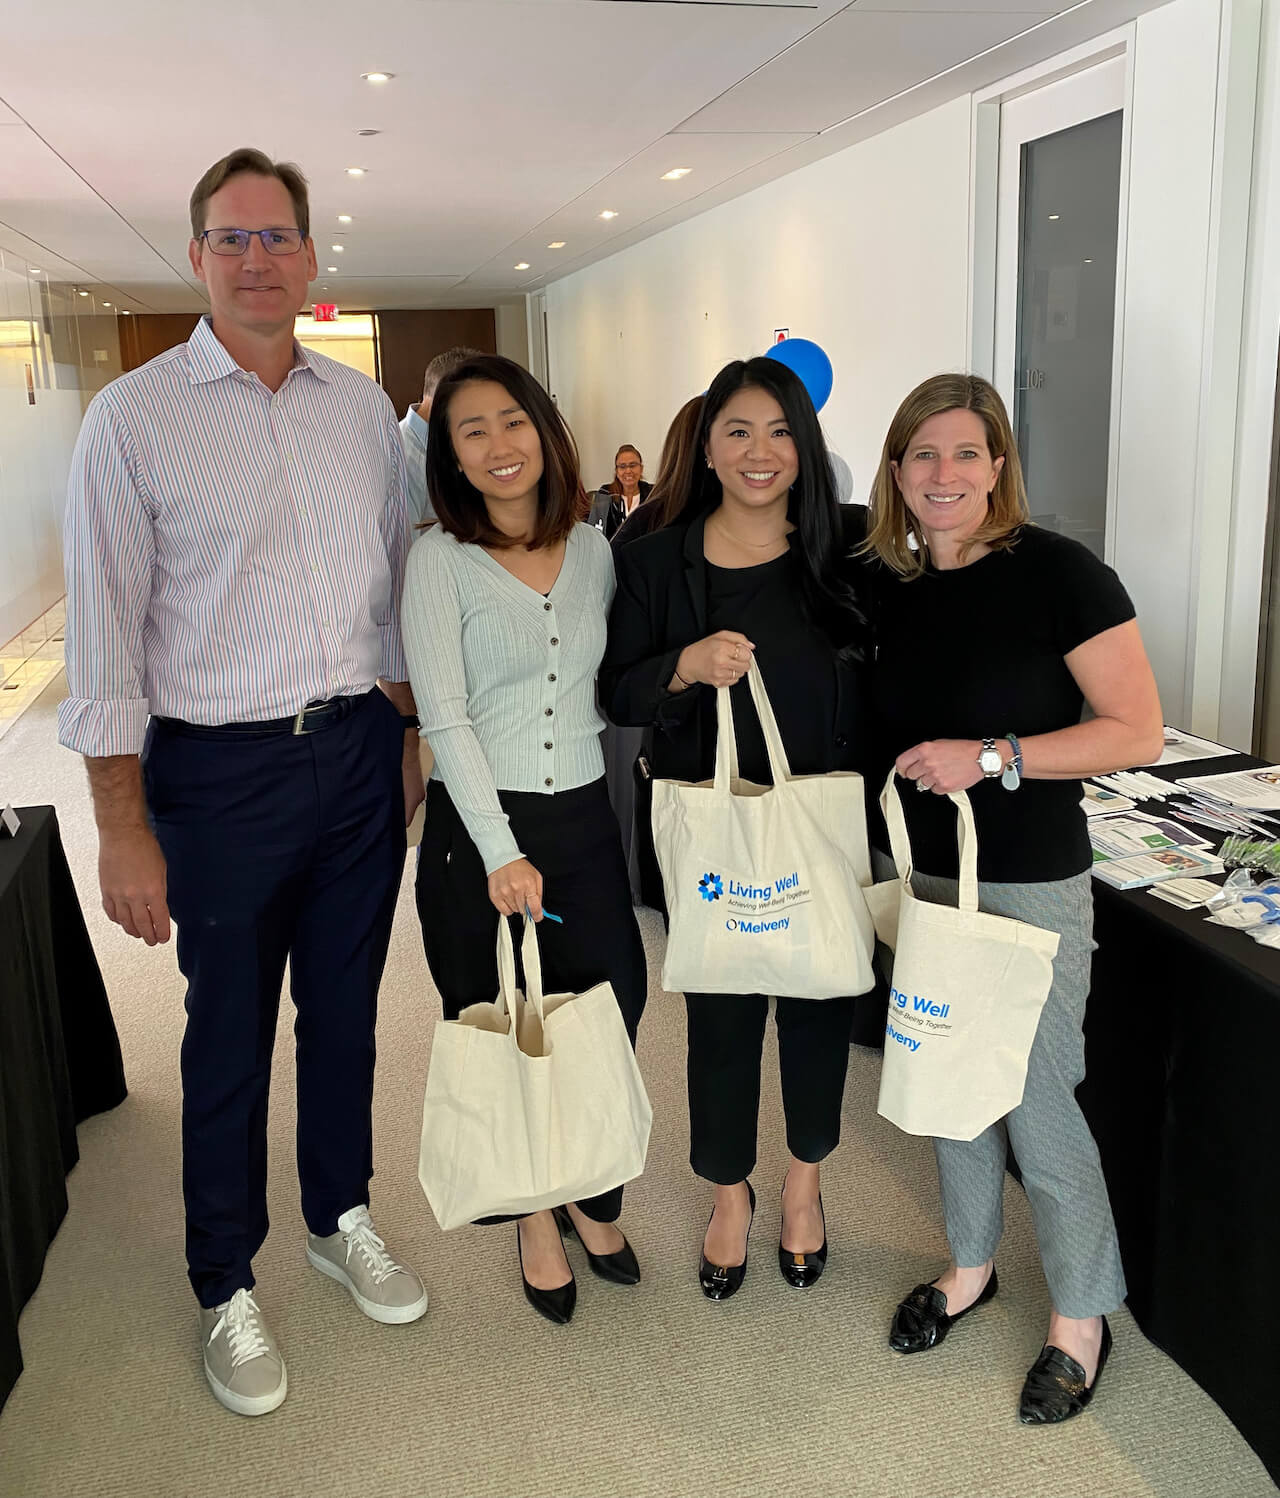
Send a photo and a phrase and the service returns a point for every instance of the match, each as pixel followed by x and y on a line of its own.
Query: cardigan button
pixel 554 640
pixel 546 608
pixel 548 781
pixel 547 745
pixel 551 676
pixel 546 712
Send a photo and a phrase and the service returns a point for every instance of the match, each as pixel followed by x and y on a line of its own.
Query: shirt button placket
pixel 553 641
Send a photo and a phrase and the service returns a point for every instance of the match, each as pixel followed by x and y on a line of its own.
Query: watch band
pixel 411 720
pixel 989 759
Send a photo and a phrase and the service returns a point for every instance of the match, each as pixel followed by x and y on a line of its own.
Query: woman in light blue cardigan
pixel 504 617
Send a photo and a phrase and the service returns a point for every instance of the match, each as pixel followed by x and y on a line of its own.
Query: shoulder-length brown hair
pixel 892 522
pixel 670 492
pixel 459 506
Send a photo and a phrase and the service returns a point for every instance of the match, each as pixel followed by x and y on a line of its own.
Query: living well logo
pixel 753 909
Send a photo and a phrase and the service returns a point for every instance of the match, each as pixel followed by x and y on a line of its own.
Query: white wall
pixel 865 252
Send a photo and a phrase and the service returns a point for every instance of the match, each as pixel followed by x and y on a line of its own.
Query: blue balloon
pixel 808 361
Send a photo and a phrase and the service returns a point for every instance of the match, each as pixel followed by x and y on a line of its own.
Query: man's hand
pixel 132 875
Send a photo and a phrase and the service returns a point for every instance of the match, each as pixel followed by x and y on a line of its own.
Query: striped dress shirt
pixel 505 679
pixel 231 554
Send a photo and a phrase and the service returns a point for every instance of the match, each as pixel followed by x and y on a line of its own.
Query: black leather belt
pixel 313 718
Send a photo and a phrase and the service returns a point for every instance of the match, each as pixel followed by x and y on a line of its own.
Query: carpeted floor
pixel 650 1391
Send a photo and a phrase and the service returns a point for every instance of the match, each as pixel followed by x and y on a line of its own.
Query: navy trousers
pixel 278 847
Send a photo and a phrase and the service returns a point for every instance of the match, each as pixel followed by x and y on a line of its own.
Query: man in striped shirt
pixel 235 544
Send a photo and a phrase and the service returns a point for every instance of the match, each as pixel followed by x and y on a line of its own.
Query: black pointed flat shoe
pixel 620 1268
pixel 556 1305
pixel 1055 1390
pixel 921 1321
pixel 803 1270
pixel 720 1281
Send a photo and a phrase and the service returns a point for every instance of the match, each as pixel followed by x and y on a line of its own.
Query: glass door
pixel 1057 260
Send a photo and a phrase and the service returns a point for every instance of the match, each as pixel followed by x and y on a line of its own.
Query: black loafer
pixel 620 1268
pixel 720 1281
pixel 556 1305
pixel 921 1321
pixel 803 1270
pixel 1055 1388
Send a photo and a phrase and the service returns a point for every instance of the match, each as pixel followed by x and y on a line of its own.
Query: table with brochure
pixel 1183 1043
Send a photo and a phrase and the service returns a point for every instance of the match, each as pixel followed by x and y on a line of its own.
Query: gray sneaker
pixel 241 1359
pixel 356 1257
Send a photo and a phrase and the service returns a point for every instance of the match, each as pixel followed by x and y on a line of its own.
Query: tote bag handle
pixel 966 838
pixel 532 960
pixel 727 739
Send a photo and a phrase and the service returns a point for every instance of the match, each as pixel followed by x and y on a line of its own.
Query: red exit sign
pixel 325 311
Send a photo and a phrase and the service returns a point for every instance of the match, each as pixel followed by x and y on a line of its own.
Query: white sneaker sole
pixel 387 1315
pixel 244 1404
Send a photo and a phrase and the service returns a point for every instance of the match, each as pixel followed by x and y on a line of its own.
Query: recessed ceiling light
pixel 523 265
pixel 676 173
pixel 355 171
pixel 344 218
pixel 368 132
pixel 556 244
pixel 84 293
pixel 1088 262
pixel 331 270
pixel 1054 217
pixel 124 312
pixel 338 249
pixel 106 304
pixel 608 213
pixel 34 269
pixel 377 77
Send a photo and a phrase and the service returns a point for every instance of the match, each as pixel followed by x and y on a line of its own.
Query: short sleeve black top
pixel 977 652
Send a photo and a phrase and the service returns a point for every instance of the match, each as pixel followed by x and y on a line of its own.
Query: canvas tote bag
pixel 531 1101
pixel 965 998
pixel 764 883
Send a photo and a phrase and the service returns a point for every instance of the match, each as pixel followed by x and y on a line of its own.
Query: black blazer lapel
pixel 695 572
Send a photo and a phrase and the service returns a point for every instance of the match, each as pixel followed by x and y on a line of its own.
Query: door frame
pixel 1091 80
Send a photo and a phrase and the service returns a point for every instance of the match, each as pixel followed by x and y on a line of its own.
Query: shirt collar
pixel 416 425
pixel 208 359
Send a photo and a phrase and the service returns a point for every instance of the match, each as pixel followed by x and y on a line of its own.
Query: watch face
pixel 989 762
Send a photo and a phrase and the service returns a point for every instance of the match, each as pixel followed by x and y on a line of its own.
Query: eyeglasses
pixel 236 241
pixel 621 466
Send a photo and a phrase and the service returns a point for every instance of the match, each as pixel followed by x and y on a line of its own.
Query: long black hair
pixel 812 506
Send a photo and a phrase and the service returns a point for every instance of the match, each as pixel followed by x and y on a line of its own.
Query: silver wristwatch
pixel 989 761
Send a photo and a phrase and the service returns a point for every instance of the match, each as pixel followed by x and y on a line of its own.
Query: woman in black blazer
pixel 757 564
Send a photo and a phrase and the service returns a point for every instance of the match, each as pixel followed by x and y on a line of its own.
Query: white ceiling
pixel 508 124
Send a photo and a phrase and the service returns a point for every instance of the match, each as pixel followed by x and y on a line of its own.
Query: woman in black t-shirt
pixel 757 564
pixel 992 636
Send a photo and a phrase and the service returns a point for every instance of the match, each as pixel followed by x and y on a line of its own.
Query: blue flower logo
pixel 710 887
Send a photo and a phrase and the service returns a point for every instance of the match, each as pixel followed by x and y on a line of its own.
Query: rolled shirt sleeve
pixel 109 553
pixel 413 437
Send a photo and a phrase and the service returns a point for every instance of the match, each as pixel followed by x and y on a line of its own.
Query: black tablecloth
pixel 1183 1041
pixel 59 1057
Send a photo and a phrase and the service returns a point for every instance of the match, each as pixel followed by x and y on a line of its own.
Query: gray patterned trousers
pixel 1047 1131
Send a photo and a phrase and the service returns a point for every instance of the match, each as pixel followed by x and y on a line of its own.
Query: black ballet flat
pixel 803 1270
pixel 1055 1390
pixel 921 1320
pixel 720 1281
pixel 556 1305
pixel 620 1268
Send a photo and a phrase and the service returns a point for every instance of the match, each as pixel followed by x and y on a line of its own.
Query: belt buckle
pixel 298 722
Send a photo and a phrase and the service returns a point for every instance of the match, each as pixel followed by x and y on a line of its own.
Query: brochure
pixel 1247 788
pixel 1172 863
pixel 1099 801
pixel 1180 746
pixel 1123 836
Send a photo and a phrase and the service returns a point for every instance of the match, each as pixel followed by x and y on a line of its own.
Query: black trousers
pixel 572 839
pixel 726 1039
pixel 277 847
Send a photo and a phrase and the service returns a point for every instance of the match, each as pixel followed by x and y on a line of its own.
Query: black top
pixel 975 653
pixel 669 596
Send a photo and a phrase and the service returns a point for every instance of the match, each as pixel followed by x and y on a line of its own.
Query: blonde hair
pixel 892 523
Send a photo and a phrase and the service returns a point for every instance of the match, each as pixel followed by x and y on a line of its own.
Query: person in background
pixel 613 503
pixel 413 433
pixel 671 489
pixel 991 637
pixel 505 608
pixel 756 565
pixel 235 544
